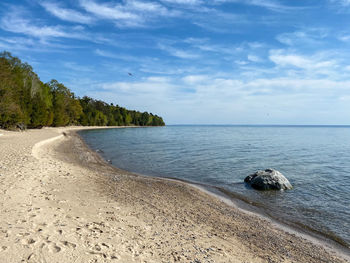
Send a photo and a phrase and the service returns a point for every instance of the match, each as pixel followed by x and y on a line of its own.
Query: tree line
pixel 25 101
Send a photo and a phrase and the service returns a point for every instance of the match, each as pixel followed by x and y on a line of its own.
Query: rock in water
pixel 269 179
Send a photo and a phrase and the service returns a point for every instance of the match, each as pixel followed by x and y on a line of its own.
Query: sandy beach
pixel 60 202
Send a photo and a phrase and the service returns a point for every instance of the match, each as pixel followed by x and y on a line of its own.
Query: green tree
pixel 26 101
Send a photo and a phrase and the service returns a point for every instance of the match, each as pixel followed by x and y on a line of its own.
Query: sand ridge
pixel 61 203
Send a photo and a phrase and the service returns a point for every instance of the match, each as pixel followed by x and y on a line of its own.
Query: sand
pixel 61 203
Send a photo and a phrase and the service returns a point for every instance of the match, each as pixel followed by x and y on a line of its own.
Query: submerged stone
pixel 268 179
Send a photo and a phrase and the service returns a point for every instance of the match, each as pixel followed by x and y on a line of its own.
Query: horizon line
pixel 291 125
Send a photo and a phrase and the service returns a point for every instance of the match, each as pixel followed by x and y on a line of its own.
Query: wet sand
pixel 60 202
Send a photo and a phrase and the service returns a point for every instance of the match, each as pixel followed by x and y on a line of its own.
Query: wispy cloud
pixel 33 44
pixel 104 53
pixel 129 13
pixel 76 67
pixel 15 22
pixel 241 62
pixel 268 4
pixel 179 52
pixel 310 36
pixel 219 21
pixel 272 5
pixel 106 11
pixel 149 86
pixel 285 99
pixel 66 14
pixel 19 44
pixel 194 79
pixel 341 2
pixel 183 2
pixel 285 59
pixel 206 46
pixel 327 64
pixel 253 58
pixel 343 36
pixel 111 55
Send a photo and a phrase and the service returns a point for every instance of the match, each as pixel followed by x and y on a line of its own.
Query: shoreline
pixel 239 202
pixel 317 238
pixel 302 231
pixel 105 214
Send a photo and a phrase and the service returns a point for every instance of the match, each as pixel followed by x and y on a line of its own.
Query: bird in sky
pixel 129 74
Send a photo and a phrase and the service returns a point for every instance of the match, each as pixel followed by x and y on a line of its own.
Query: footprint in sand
pixel 4 248
pixel 103 250
pixel 69 244
pixel 53 248
pixel 29 241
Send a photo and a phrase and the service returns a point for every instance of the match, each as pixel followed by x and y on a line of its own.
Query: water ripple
pixel 315 159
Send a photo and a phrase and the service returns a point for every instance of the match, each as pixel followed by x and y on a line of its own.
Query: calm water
pixel 316 160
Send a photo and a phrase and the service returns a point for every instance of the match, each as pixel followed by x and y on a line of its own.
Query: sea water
pixel 315 159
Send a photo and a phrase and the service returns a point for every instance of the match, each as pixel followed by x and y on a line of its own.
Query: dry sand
pixel 61 203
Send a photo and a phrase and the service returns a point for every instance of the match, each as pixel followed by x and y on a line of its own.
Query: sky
pixel 193 61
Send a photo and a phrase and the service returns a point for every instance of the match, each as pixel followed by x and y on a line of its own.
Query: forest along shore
pixel 28 102
pixel 61 203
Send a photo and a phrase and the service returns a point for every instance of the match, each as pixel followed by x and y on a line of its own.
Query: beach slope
pixel 61 203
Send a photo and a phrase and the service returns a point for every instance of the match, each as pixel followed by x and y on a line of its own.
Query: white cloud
pixel 344 37
pixel 311 36
pixel 31 44
pixel 183 2
pixel 230 100
pixel 253 58
pixel 194 79
pixel 241 62
pixel 255 45
pixel 177 52
pixel 104 53
pixel 14 22
pixel 206 46
pixel 149 87
pixel 129 13
pixel 17 43
pixel 227 51
pixel 158 79
pixel 284 59
pixel 268 4
pixel 121 56
pixel 76 67
pixel 66 14
pixel 272 5
pixel 108 11
pixel 146 7
pixel 289 60
pixel 290 38
pixel 341 2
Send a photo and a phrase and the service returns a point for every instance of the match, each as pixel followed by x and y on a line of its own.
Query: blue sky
pixel 193 61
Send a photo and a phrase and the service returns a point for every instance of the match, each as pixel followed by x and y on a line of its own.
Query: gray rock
pixel 21 126
pixel 269 179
